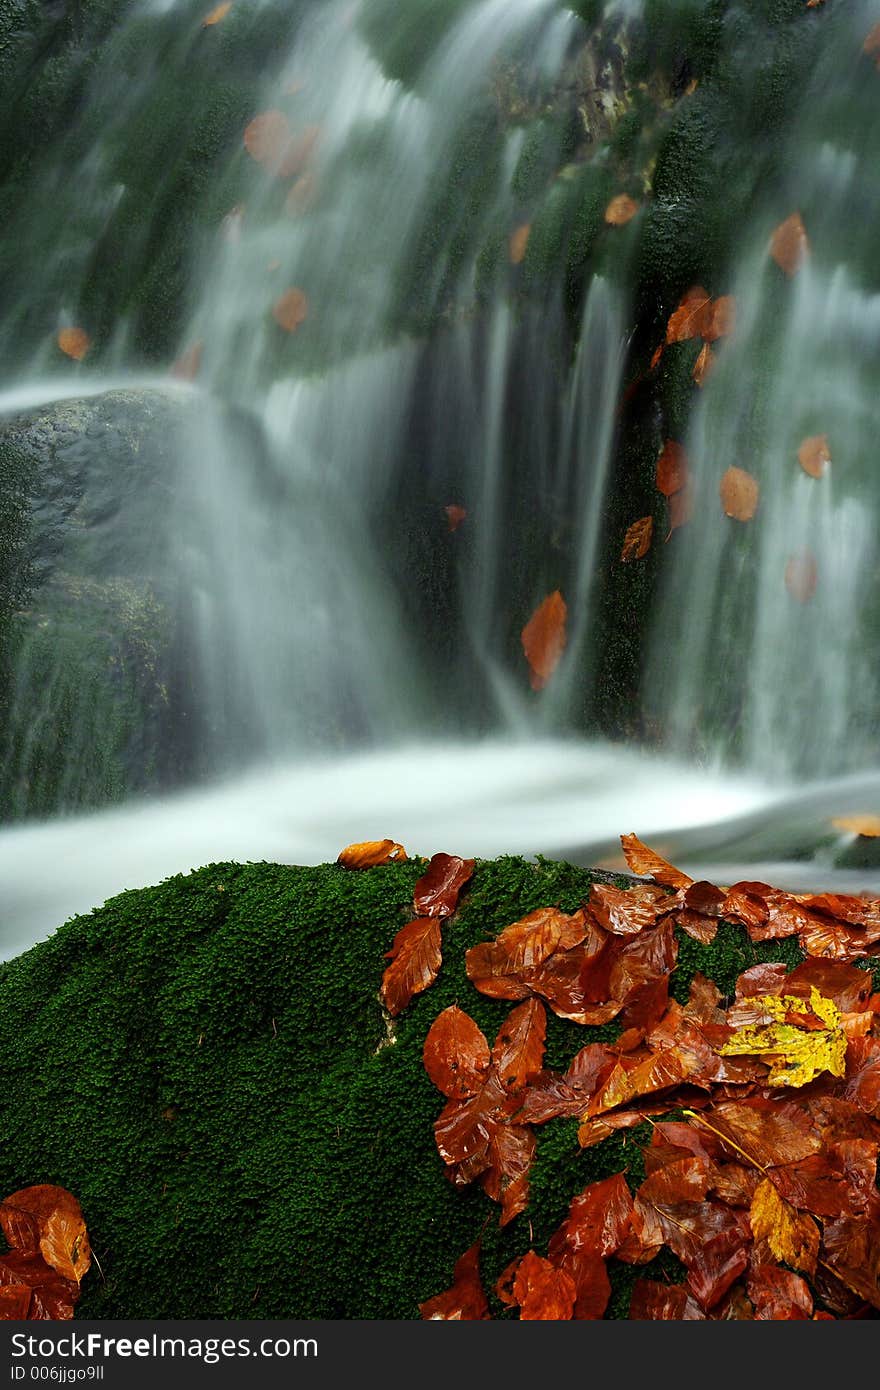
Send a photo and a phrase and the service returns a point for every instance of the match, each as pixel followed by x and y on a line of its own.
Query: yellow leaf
pixel 796 1053
pixel 369 853
pixel 64 1243
pixel 217 14
pixel 792 1236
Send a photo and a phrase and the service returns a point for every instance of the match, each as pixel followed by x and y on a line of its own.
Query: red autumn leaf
pixel 550 1095
pixel 655 357
pixel 370 853
pixel 719 318
pixel 814 455
pixel 739 494
pixel 415 960
pixel 542 1291
pixel 703 1000
pixel 52 1297
pixel 626 911
pixel 847 986
pixel 663 1302
pixel 687 321
pixel 598 1220
pixel 544 638
pixel 703 365
pixel 436 893
pixel 789 244
pixel 681 507
pixel 455 515
pixel 465 1301
pixel 456 1054
pixel 643 860
pixel 186 366
pixel 621 210
pixel 520 948
pixel 765 1133
pixel 589 1274
pixel 511 1151
pixel 862 1085
pixel 778 1294
pixel 54 1216
pixel 672 468
pixel 519 240
pixel 74 342
pixel 637 541
pixel 851 1247
pixel 518 1054
pixel 716 1264
pixel 291 309
pixel 15 1300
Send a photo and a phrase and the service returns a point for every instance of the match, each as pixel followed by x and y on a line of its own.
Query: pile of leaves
pixel 48 1254
pixel 761 1171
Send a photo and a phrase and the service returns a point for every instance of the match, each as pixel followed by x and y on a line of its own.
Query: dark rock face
pixel 91 645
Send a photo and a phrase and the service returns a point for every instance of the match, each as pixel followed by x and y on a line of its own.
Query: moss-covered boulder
pixel 206 1064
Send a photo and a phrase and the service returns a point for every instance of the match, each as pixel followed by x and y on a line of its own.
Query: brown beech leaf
pixel 598 1220
pixel 48 1218
pixel 719 318
pixel 814 455
pixel 544 637
pixel 52 1296
pixel 186 366
pixel 778 1294
pixel 465 1301
pixel 415 960
pixel 703 365
pixel 765 1133
pixel 643 860
pixel 681 507
pixel 369 853
pixel 848 987
pixel 592 1285
pixel 663 1302
pixel 64 1243
pixel 789 244
pixel 542 1291
pixel 550 1095
pixel 518 1054
pixel 792 1237
pixel 801 575
pixel 739 494
pixel 511 1151
pixel 687 321
pixel 74 342
pixel 455 515
pixel 456 1054
pixel 621 210
pixel 851 1247
pixel 655 357
pixel 637 541
pixel 519 240
pixel 626 911
pixel 291 309
pixel 15 1300
pixel 436 893
pixel 216 15
pixel 716 1264
pixel 672 468
pixel 521 947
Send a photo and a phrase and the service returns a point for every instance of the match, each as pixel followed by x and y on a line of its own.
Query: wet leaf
pixel 626 911
pixel 592 1285
pixel 455 515
pixel 792 1237
pixel 369 853
pixel 521 947
pixel 804 1039
pixel 716 1264
pixel 456 1054
pixel 436 892
pixel 542 1291
pixel 598 1220
pixel 465 1301
pixel 291 310
pixel 52 1297
pixel 814 455
pixel 739 494
pixel 216 15
pixel 544 638
pixel 789 245
pixel 703 365
pixel 511 1151
pixel 48 1218
pixel 15 1300
pixel 851 1247
pixel 637 541
pixel 269 140
pixel 778 1294
pixel 643 860
pixel 687 321
pixel 672 468
pixel 415 960
pixel 74 342
pixel 764 1133
pixel 620 210
pixel 519 240
pixel 663 1302
pixel 681 508
pixel 801 576
pixel 64 1243
pixel 718 318
pixel 518 1054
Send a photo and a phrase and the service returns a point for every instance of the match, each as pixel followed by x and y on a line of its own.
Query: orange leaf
pixel 672 468
pixel 291 310
pixel 642 860
pixel 436 892
pixel 186 367
pixel 267 137
pixel 801 576
pixel 455 1054
pixel 15 1300
pixel 621 210
pixel 544 637
pixel 739 494
pixel 542 1291
pixel 370 853
pixel 681 507
pixel 791 1236
pixel 814 455
pixel 637 541
pixel 465 1301
pixel 415 960
pixel 65 1243
pixel 868 826
pixel 217 14
pixel 455 515
pixel 703 365
pixel 687 321
pixel 518 1053
pixel 719 318
pixel 51 1216
pixel 655 357
pixel 519 240
pixel 789 244
pixel 74 342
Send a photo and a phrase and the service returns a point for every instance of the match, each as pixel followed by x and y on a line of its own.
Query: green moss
pixel 404 41
pixel 206 1065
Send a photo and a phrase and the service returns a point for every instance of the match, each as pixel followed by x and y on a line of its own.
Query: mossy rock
pixel 206 1065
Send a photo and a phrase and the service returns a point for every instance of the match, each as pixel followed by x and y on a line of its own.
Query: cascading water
pixel 426 200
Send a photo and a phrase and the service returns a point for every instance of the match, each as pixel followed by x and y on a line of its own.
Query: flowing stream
pixel 351 655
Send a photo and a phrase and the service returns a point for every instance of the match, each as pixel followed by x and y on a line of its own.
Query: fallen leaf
pixel 796 1051
pixel 739 494
pixel 718 318
pixel 15 1300
pixel 789 244
pixel 64 1243
pixel 48 1218
pixel 291 309
pixel 542 1291
pixel 672 468
pixel 52 1297
pixel 687 320
pixel 370 853
pixel 523 946
pixel 792 1237
pixel 653 1301
pixel 681 507
pixel 703 365
pixel 801 576
pixel 456 1054
pixel 643 860
pixel 814 455
pixel 217 14
pixel 598 1220
pixel 518 1054
pixel 74 342
pixel 778 1294
pixel 620 210
pixel 637 541
pixel 436 892
pixel 415 960
pixel 455 515
pixel 519 240
pixel 544 637
pixel 655 357
pixel 466 1300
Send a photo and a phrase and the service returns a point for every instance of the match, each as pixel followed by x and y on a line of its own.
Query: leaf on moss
pixel 621 210
pixel 369 853
pixel 542 1291
pixel 672 468
pixel 456 1054
pixel 642 860
pixel 637 541
pixel 466 1300
pixel 415 961
pixel 519 240
pixel 687 320
pixel 544 638
pixel 739 494
pixel 455 515
pixel 436 892
pixel 703 365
